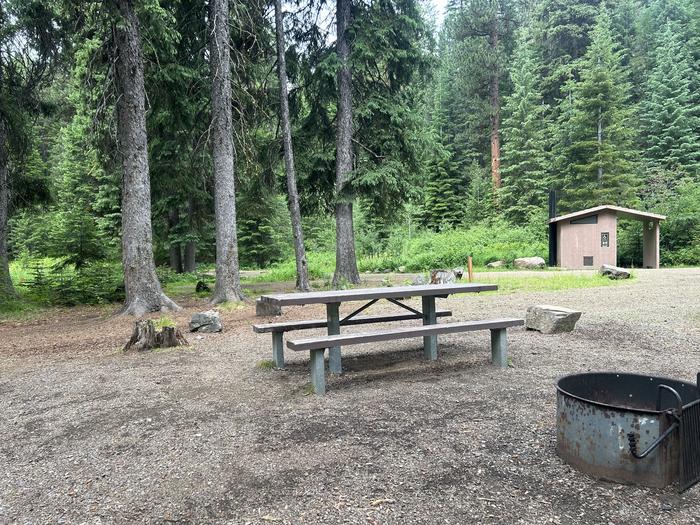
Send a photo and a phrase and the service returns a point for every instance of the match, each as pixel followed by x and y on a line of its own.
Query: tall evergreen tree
pixel 595 147
pixel 143 290
pixel 669 117
pixel 525 149
pixel 228 283
pixel 345 260
pixel 289 168
pixel 561 32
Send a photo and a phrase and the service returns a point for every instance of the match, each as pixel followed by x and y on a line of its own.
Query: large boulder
pixel 550 319
pixel 208 322
pixel 529 262
pixel 263 309
pixel 496 264
pixel 614 272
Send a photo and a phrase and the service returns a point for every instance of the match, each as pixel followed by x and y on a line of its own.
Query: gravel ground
pixel 204 435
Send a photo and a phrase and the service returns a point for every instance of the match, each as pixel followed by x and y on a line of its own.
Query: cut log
pixel 146 337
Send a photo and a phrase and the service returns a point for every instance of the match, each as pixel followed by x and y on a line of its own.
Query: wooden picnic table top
pixel 383 292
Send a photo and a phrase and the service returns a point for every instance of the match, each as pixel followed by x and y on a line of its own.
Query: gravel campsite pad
pixel 208 434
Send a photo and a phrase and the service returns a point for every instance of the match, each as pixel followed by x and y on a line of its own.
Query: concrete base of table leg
pixel 499 348
pixel 318 371
pixel 278 349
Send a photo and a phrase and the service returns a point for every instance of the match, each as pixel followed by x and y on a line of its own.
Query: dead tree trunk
pixel 6 288
pixel 190 262
pixel 228 283
pixel 345 261
pixel 293 195
pixel 143 291
pixel 495 111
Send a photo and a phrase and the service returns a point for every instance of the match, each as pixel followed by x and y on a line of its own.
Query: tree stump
pixel 146 337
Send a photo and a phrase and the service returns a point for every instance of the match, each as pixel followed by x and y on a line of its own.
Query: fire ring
pixel 630 428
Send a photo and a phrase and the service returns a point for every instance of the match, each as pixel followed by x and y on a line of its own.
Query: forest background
pixel 459 132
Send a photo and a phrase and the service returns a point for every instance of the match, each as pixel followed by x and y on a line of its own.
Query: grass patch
pixel 265 364
pixel 548 282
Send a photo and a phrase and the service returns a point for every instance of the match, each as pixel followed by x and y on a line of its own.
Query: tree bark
pixel 495 111
pixel 345 261
pixel 6 287
pixel 190 262
pixel 175 249
pixel 143 291
pixel 228 284
pixel 190 257
pixel 292 194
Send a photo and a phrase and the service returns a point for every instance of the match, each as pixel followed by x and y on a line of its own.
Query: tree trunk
pixel 495 112
pixel 146 337
pixel 293 195
pixel 190 257
pixel 6 288
pixel 190 262
pixel 228 284
pixel 345 262
pixel 175 250
pixel 143 291
pixel 600 144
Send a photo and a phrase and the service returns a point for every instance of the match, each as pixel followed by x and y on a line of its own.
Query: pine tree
pixel 595 143
pixel 669 118
pixel 561 32
pixel 525 157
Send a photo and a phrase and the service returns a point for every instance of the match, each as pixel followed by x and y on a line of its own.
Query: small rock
pixel 614 272
pixel 496 264
pixel 419 280
pixel 401 269
pixel 202 287
pixel 206 322
pixel 551 319
pixel 459 272
pixel 442 277
pixel 529 262
pixel 386 270
pixel 263 309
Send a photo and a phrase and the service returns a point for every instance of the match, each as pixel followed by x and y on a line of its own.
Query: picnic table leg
pixel 499 348
pixel 429 317
pixel 333 316
pixel 278 349
pixel 318 371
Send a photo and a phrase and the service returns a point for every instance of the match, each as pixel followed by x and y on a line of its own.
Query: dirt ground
pixel 206 435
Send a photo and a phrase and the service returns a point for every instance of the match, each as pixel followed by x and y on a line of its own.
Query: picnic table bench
pixel 334 340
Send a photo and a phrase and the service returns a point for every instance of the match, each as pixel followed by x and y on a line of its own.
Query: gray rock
pixel 266 309
pixel 496 264
pixel 459 272
pixel 442 277
pixel 614 272
pixel 206 322
pixel 401 269
pixel 529 262
pixel 419 280
pixel 551 319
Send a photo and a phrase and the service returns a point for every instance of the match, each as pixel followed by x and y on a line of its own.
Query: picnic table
pixel 395 295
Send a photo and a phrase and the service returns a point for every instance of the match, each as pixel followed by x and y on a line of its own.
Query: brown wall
pixel 574 241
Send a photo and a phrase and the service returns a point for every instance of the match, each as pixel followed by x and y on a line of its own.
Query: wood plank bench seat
pixel 317 345
pixel 278 329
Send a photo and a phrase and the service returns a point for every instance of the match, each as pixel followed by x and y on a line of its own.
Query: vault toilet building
pixel 588 238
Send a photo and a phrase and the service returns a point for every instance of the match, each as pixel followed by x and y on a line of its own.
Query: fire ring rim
pixel 561 390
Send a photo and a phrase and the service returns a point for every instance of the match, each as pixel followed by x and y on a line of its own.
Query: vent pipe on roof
pixel 552 228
